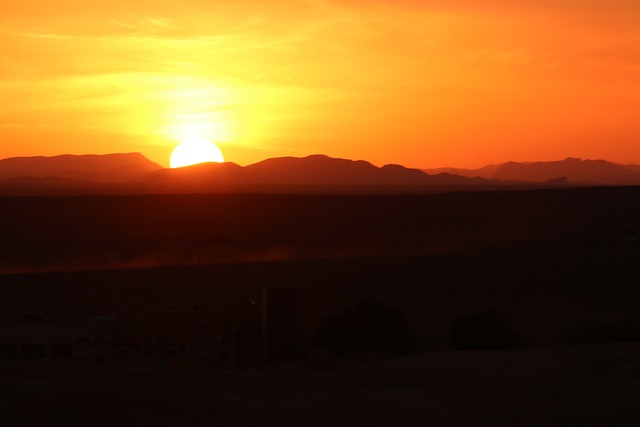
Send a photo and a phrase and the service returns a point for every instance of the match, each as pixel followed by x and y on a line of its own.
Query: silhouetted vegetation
pixel 592 332
pixel 485 330
pixel 370 325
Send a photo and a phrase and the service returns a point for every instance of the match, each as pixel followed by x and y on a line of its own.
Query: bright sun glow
pixel 193 151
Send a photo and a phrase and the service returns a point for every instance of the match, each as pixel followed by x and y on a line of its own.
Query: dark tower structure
pixel 280 323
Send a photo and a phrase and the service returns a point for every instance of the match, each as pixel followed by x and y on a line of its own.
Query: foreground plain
pixel 551 261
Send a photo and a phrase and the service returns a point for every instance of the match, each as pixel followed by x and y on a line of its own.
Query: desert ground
pixel 592 385
pixel 553 262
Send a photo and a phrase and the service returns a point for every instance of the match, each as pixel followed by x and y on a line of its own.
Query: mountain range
pixel 311 171
pixel 132 173
pixel 574 170
pixel 109 168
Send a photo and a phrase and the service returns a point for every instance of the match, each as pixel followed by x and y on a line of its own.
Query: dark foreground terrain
pixel 204 310
pixel 106 232
pixel 563 386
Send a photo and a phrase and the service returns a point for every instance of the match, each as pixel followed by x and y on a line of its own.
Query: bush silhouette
pixel 486 330
pixel 592 332
pixel 370 325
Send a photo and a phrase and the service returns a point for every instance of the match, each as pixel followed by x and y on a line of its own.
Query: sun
pixel 193 151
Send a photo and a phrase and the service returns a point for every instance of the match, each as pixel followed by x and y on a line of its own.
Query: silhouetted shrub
pixel 591 332
pixel 370 325
pixel 486 330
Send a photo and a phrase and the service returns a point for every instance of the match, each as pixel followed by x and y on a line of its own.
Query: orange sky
pixel 451 83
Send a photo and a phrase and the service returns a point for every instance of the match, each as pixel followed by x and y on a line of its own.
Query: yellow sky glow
pixel 448 84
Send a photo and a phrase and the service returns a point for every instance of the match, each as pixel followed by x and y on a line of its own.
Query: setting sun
pixel 194 151
pixel 279 78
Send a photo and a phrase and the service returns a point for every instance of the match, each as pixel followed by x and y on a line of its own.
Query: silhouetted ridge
pixel 90 167
pixel 204 174
pixel 311 171
pixel 324 170
pixel 132 173
pixel 483 172
pixel 571 170
pixel 575 169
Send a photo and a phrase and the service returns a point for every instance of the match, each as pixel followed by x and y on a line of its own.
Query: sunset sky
pixel 420 83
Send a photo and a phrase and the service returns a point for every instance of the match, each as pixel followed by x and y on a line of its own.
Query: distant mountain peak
pixel 571 169
pixel 91 167
pixel 315 156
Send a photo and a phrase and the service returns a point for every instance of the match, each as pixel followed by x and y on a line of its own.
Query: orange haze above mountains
pixel 424 84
